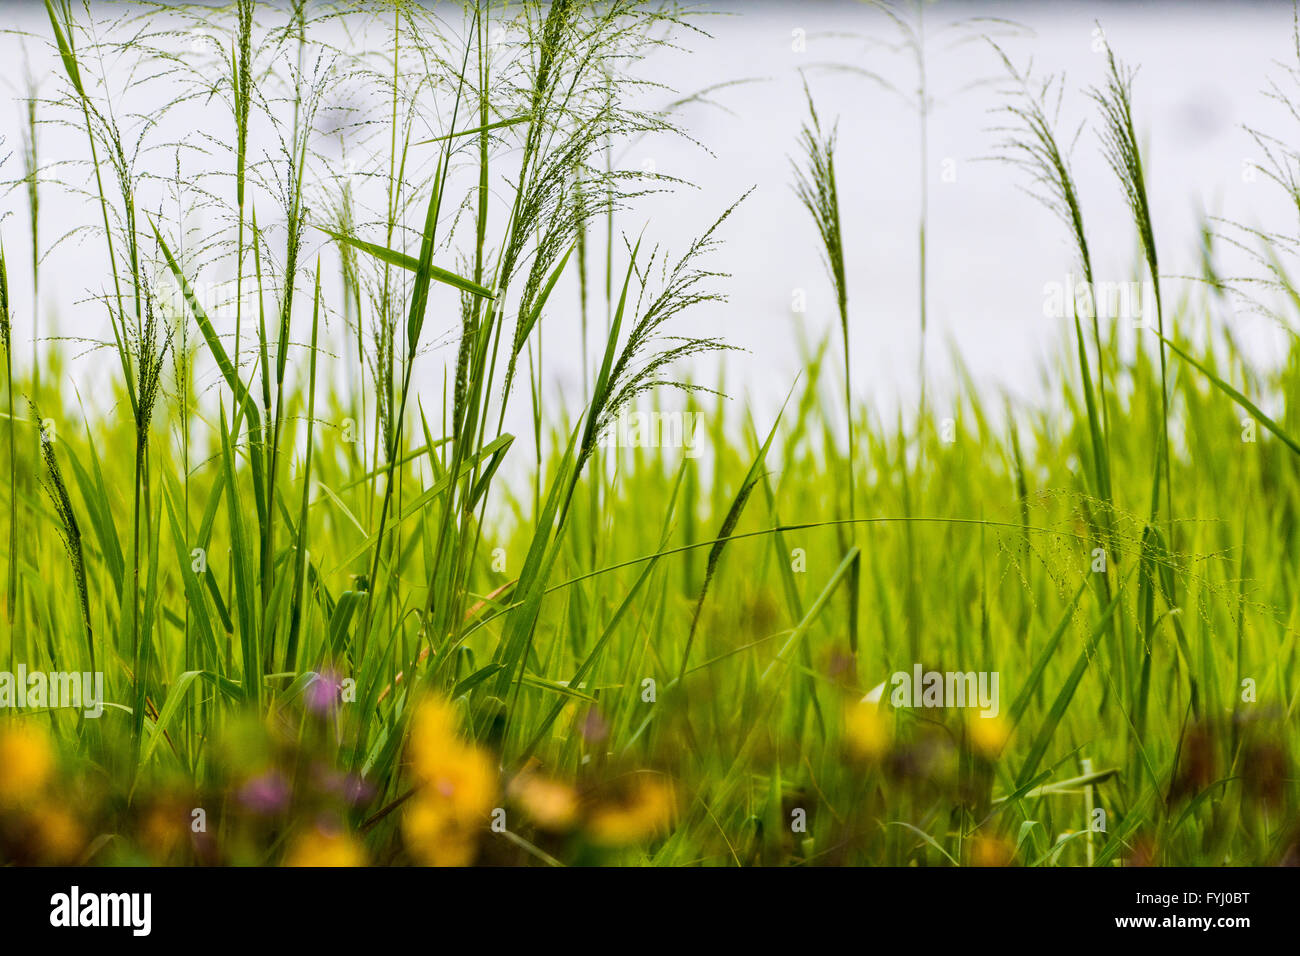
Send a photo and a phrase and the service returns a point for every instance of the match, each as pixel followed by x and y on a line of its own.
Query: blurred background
pixel 1203 69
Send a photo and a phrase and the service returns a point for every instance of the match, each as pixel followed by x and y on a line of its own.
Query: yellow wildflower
pixel 458 787
pixel 318 847
pixel 26 762
pixel 465 780
pixel 991 851
pixel 645 810
pixel 57 836
pixel 988 735
pixel 551 804
pixel 866 731
pixel 161 830
pixel 433 736
pixel 434 836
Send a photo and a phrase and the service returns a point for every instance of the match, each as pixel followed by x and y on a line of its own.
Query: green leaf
pixel 65 51
pixel 403 261
pixel 499 124
pixel 1236 396
pixel 175 694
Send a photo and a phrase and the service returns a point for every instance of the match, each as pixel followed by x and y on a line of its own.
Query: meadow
pixel 343 617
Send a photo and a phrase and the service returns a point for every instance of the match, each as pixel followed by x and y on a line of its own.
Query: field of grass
pixel 334 626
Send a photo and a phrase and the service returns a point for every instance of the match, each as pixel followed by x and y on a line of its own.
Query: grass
pixel 331 632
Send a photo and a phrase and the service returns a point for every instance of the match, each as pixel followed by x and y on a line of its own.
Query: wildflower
pixel 325 846
pixel 988 736
pixel 163 827
pixel 56 835
pixel 457 789
pixel 645 810
pixel 435 839
pixel 357 791
pixel 991 851
pixel 26 762
pixel 265 794
pixel 322 694
pixel 351 788
pixel 866 731
pixel 466 780
pixel 551 804
pixel 433 737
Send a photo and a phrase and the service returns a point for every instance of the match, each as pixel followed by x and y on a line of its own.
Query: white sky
pixel 992 248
